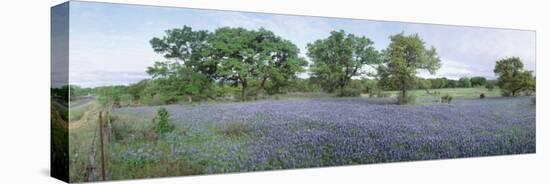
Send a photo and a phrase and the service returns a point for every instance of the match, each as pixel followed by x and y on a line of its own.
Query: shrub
pixel 103 100
pixel 446 98
pixel 490 86
pixel 350 92
pixel 409 99
pixel 162 122
pixel 121 130
pixel 234 129
pixel 158 99
pixel 145 100
pixel 126 100
pixel 482 95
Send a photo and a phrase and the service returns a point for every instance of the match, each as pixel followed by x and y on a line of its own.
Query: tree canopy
pixel 199 64
pixel 339 57
pixel 464 82
pixel 478 81
pixel 512 78
pixel 403 58
pixel 245 55
pixel 187 47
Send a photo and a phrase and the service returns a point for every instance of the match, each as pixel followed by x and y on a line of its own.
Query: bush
pixel 482 95
pixel 162 122
pixel 126 100
pixel 490 86
pixel 409 99
pixel 103 100
pixel 145 99
pixel 234 129
pixel 446 98
pixel 350 92
pixel 159 99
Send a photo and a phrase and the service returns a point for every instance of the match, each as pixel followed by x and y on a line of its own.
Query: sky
pixel 109 43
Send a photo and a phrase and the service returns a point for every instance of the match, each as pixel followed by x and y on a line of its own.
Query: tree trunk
pixel 262 84
pixel 244 92
pixel 342 86
pixel 403 89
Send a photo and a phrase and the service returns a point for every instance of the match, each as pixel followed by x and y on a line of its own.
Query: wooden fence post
pixel 90 169
pixel 101 145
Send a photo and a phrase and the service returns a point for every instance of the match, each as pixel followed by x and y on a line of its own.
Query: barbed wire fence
pixel 104 133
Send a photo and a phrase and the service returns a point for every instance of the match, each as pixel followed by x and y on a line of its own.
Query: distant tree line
pixel 242 64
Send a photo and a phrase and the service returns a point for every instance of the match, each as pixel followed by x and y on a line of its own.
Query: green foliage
pixel 338 58
pixel 350 92
pixel 110 95
pixel 438 83
pixel 512 78
pixel 245 55
pixel 162 122
pixel 369 86
pixel 464 82
pixel 478 81
pixel 403 57
pixel 303 85
pixel 60 94
pixel 76 91
pixel 137 89
pixel 59 150
pixel 126 100
pixel 145 100
pixel 423 84
pixel 174 80
pixel 189 48
pixel 452 84
pixel 160 99
pixel 446 98
pixel 490 85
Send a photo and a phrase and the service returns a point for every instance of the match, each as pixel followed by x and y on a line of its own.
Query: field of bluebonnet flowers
pixel 284 134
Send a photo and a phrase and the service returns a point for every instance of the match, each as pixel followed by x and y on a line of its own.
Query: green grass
pixel 455 92
pixel 76 112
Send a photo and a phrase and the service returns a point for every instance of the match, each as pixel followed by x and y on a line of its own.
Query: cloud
pixel 454 70
pixel 112 40
pixel 105 78
pixel 471 51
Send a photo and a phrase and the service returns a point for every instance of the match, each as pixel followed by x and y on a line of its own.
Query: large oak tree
pixel 340 57
pixel 512 78
pixel 246 55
